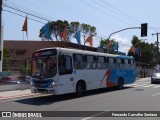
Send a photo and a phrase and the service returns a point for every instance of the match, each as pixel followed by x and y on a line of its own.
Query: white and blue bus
pixel 63 70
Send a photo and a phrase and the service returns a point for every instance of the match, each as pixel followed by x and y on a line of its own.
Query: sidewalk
pixel 16 94
pixel 27 93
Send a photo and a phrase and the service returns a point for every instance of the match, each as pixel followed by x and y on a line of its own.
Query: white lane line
pixel 155 94
pixel 130 84
pixel 95 115
pixel 156 86
pixel 143 82
pixel 148 85
pixel 139 85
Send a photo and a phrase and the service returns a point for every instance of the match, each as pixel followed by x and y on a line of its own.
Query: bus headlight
pixel 31 83
pixel 52 84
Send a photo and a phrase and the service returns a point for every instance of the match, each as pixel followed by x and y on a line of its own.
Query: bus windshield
pixel 44 67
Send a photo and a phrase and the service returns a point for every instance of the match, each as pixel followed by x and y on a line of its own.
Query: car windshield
pixel 44 67
pixel 156 75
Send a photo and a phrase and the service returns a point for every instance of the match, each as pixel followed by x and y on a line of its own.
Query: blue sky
pixel 106 15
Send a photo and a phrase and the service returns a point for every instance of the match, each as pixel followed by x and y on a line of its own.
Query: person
pixel 144 73
pixel 141 73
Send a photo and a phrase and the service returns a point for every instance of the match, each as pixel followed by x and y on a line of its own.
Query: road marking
pixel 148 85
pixel 130 84
pixel 155 94
pixel 95 115
pixel 139 85
pixel 156 86
pixel 142 82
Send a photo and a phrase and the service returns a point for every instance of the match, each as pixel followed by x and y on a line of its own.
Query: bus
pixel 63 70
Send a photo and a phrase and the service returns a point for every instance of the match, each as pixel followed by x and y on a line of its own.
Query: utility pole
pixel 157 48
pixel 1 41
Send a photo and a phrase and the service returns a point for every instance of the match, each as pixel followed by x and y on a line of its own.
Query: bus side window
pixel 112 62
pixel 126 64
pixel 101 62
pixel 120 63
pixel 90 62
pixel 132 64
pixel 65 65
pixel 78 61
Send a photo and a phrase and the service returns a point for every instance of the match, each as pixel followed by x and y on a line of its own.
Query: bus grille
pixel 41 90
pixel 41 81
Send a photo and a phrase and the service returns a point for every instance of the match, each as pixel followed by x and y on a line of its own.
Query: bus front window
pixel 44 67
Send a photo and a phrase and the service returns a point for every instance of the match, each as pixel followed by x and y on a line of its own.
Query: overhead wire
pixel 25 12
pixel 120 11
pixel 22 16
pixel 75 12
pixel 28 14
pixel 103 11
pixel 113 11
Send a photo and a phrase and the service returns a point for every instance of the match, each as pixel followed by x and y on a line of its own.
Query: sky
pixel 107 16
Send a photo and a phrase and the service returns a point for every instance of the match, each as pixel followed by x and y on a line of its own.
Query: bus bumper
pixel 43 90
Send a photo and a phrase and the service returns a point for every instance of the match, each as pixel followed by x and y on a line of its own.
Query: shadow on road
pixel 50 99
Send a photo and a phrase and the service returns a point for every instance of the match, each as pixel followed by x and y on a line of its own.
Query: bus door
pixel 66 77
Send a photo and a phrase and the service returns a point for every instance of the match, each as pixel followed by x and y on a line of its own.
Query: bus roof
pixel 71 50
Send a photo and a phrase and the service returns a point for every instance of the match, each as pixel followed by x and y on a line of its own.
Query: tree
pixel 57 27
pixel 107 43
pixel 148 52
pixel 6 60
pixel 75 26
pixel 88 29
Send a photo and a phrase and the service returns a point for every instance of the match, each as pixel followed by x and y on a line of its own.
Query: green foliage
pixel 149 52
pixel 58 26
pixel 88 29
pixel 6 60
pixel 107 43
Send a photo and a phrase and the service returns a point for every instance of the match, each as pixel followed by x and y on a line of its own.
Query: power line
pixel 120 11
pixel 28 14
pixel 75 12
pixel 103 11
pixel 15 5
pixel 108 9
pixel 25 12
pixel 23 16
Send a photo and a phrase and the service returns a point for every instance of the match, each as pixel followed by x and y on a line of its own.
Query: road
pixel 140 96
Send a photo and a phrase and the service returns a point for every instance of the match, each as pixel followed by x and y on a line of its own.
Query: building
pixel 20 52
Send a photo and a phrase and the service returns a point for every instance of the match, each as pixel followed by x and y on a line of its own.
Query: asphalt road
pixel 140 96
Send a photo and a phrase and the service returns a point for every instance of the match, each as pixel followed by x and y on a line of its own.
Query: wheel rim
pixel 79 89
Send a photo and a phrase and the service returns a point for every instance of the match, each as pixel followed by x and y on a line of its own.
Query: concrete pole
pixel 1 37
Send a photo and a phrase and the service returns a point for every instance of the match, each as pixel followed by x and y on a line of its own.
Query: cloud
pixel 124 43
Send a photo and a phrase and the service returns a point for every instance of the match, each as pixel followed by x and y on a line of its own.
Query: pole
pixel 1 41
pixel 123 30
pixel 157 49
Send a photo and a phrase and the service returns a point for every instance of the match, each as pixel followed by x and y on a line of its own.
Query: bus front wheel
pixel 80 89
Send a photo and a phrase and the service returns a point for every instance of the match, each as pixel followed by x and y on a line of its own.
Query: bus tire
pixel 80 89
pixel 120 83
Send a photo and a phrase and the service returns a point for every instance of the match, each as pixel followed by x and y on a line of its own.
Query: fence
pixel 141 73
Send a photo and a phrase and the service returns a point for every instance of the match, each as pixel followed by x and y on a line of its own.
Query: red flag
pixel 64 34
pixel 132 49
pixel 24 28
pixel 90 40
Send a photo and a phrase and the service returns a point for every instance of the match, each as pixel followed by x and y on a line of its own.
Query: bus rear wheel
pixel 120 83
pixel 80 89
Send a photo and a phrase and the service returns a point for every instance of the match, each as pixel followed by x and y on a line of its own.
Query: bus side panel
pixel 128 76
pixel 89 76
